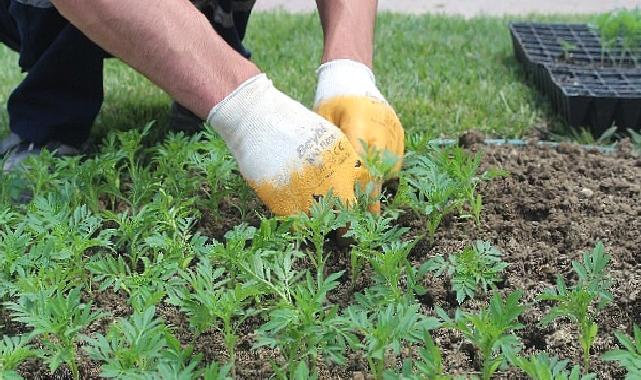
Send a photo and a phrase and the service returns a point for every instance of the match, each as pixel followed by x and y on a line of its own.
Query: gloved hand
pixel 287 153
pixel 347 96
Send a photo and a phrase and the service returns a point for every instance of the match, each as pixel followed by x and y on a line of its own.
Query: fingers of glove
pixel 371 121
pixel 366 119
pixel 337 170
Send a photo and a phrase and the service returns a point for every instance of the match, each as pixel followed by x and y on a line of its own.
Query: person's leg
pixel 229 19
pixel 62 92
pixel 8 28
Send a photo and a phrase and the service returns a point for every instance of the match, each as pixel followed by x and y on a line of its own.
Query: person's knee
pixel 38 25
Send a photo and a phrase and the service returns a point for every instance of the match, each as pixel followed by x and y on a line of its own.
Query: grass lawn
pixel 443 75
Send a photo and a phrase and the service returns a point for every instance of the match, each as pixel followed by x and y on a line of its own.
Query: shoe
pixel 14 150
pixel 183 120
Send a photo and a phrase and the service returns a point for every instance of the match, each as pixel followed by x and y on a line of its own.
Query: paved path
pixel 470 8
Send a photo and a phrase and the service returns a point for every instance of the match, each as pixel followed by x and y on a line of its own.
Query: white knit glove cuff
pixel 344 77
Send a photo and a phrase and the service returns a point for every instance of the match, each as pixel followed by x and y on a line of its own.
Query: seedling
pixel 582 303
pixel 491 330
pixel 140 347
pixel 94 182
pixel 38 173
pixel 14 351
pixel 622 26
pixel 307 328
pixel 275 273
pixel 57 319
pixel 215 371
pixel 429 364
pixel 173 159
pixel 370 232
pixel 390 265
pixel 567 47
pixel 324 217
pixel 629 357
pixel 380 165
pixel 271 271
pixel 444 182
pixel 477 267
pixel 145 288
pixel 210 303
pixel 70 234
pixel 463 168
pixel 544 367
pixel 433 193
pixel 386 329
pixel 218 168
pixel 303 373
pixel 130 232
pixel 14 263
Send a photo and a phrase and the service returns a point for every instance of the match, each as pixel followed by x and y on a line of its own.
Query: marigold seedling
pixel 324 217
pixel 477 267
pixel 210 302
pixel 433 193
pixel 218 167
pixel 490 330
pixel 582 303
pixel 630 356
pixel 14 351
pixel 380 164
pixel 141 346
pixel 215 371
pixel 636 139
pixel 429 364
pixel 386 329
pixel 391 264
pixel 145 288
pixel 544 367
pixel 370 232
pixel 57 319
pixel 307 328
pixel 443 182
pixel 620 29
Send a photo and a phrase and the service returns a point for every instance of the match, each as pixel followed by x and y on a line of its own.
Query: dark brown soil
pixel 556 204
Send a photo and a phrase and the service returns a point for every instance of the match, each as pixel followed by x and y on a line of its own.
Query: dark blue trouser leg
pixel 8 29
pixel 62 93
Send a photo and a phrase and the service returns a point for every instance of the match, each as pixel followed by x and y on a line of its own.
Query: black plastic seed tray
pixel 578 44
pixel 588 87
pixel 596 98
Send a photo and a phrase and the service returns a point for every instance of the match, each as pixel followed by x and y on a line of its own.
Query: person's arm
pixel 347 94
pixel 168 41
pixel 348 29
pixel 287 153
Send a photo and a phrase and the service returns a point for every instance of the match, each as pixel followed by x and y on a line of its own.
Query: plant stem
pixel 377 367
pixel 230 343
pixel 354 264
pixel 486 355
pixel 73 367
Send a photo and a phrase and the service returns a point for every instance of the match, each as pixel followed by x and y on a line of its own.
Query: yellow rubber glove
pixel 347 96
pixel 288 154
